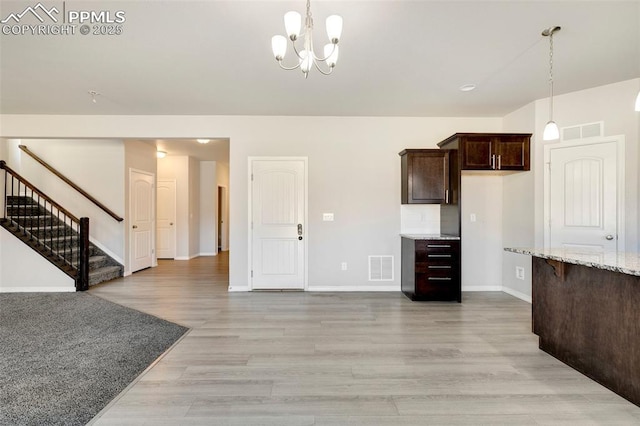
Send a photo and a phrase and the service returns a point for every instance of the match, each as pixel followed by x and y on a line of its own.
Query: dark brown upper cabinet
pixel 491 151
pixel 426 176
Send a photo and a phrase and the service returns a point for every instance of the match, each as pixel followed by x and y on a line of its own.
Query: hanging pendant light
pixel 638 102
pixel 305 56
pixel 551 131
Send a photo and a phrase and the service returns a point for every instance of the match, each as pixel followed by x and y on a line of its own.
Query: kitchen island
pixel 586 313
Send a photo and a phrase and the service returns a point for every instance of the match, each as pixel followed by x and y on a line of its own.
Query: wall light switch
pixel 327 217
pixel 472 217
pixel 520 272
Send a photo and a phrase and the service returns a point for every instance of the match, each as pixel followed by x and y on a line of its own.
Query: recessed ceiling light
pixel 161 154
pixel 467 87
pixel 203 140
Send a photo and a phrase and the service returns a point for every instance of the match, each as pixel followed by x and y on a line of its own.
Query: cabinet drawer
pixel 438 246
pixel 437 288
pixel 444 270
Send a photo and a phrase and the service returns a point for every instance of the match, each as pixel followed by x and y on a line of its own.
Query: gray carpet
pixel 64 356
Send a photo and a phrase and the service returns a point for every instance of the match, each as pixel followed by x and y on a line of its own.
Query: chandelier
pixel 306 56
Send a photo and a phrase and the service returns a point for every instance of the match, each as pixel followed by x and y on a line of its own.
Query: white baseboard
pixel 185 257
pixel 208 254
pixel 517 294
pixel 37 289
pixel 482 288
pixel 336 288
pixel 237 288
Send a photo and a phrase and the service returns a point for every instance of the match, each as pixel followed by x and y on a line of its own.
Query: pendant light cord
pixel 551 76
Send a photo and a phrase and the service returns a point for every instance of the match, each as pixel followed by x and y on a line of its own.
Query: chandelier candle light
pixel 551 131
pixel 306 56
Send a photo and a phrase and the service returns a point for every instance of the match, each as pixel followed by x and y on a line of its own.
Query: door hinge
pixel 251 177
pixel 252 273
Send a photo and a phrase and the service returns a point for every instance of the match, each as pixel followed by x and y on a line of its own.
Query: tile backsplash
pixel 420 219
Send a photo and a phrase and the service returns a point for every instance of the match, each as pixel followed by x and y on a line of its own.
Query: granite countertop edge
pixel 429 237
pixel 625 263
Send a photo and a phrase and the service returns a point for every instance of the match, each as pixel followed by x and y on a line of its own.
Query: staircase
pixel 56 240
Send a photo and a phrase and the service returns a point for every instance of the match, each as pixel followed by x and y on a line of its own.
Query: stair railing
pixel 70 183
pixel 62 238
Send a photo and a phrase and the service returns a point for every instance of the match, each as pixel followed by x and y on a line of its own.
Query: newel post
pixel 82 282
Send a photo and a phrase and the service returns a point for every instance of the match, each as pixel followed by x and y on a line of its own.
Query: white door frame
pixel 224 217
pixel 250 215
pixel 154 259
pixel 620 166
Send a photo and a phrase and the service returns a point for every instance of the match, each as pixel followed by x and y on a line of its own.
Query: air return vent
pixel 583 131
pixel 381 268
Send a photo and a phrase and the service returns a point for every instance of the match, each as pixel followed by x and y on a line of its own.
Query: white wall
pixel 97 166
pixel 354 172
pixel 24 270
pixel 139 156
pixel 518 226
pixel 208 209
pixel 482 248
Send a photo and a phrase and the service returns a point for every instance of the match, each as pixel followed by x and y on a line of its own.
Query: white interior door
pixel 166 219
pixel 278 221
pixel 141 207
pixel 583 185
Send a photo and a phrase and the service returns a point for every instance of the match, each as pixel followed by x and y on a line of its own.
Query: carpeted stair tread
pixel 103 274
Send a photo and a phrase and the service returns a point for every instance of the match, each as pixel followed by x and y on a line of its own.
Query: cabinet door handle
pixel 499 162
pixel 438 245
pixel 493 161
pixel 439 279
pixel 438 267
pixel 438 255
pixel 446 196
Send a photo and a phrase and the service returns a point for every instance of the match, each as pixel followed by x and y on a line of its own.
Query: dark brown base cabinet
pixel 431 269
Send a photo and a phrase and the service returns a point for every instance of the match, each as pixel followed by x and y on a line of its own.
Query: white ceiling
pixel 397 58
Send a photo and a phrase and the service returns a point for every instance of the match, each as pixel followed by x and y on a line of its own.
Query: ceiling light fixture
pixel 93 94
pixel 307 57
pixel 161 154
pixel 203 141
pixel 467 87
pixel 551 131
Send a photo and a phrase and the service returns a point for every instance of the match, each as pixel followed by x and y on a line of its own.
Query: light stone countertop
pixel 429 237
pixel 616 261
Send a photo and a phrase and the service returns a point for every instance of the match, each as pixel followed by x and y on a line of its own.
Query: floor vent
pixel 582 131
pixel 381 268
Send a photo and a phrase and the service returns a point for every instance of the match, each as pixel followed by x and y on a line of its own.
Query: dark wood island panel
pixel 589 318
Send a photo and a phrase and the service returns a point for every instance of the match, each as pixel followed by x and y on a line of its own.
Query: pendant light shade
pixel 638 102
pixel 551 131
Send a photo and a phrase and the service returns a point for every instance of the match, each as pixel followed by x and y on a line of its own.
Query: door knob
pixel 135 226
pixel 170 223
pixel 609 237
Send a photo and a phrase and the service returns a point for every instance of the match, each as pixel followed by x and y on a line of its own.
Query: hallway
pixel 294 358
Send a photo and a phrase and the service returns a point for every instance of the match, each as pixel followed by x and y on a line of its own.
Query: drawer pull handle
pixel 439 267
pixel 438 255
pixel 439 245
pixel 439 279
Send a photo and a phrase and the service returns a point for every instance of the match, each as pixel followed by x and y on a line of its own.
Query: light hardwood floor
pixel 293 358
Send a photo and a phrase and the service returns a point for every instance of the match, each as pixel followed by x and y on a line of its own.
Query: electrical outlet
pixel 520 272
pixel 472 217
pixel 343 266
